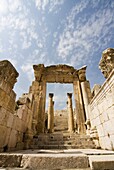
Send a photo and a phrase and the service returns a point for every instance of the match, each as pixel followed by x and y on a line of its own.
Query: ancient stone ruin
pixel 24 124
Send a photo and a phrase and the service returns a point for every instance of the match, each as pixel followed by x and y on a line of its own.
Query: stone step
pixel 44 161
pixel 77 159
pixel 62 146
pixel 102 162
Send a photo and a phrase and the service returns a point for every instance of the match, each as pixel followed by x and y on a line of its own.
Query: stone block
pixel 7 136
pixel 97 121
pixel 8 88
pixel 105 143
pixel 110 112
pixel 110 99
pixel 3 134
pixel 3 117
pixel 63 161
pixel 109 126
pixel 11 105
pixel 13 95
pixel 10 120
pixel 101 162
pixel 23 127
pixel 102 142
pixel 10 160
pixel 22 112
pixel 13 139
pixel 17 122
pixel 100 130
pixel 4 98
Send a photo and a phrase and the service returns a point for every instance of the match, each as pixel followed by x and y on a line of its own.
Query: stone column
pixel 86 96
pixel 70 113
pixel 52 121
pixel 86 93
pixel 80 118
pixel 50 113
pixel 38 89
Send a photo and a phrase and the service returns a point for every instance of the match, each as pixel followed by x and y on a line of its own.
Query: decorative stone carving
pixel 107 62
pixel 82 73
pixel 55 73
pixel 8 73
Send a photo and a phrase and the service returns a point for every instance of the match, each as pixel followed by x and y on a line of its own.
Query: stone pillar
pixel 52 124
pixel 80 118
pixel 38 89
pixel 50 113
pixel 86 93
pixel 70 113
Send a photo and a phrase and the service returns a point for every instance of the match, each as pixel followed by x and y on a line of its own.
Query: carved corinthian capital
pixel 106 63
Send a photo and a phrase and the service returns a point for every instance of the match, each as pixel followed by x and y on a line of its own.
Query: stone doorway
pixel 60 105
pixel 61 74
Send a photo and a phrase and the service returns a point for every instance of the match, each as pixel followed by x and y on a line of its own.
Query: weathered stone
pixel 10 160
pixel 54 161
pixel 3 135
pixel 13 139
pixel 101 162
pixel 70 113
pixel 8 72
pixel 107 62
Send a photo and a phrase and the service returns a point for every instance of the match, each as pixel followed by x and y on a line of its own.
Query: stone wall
pixel 15 125
pixel 102 110
pixel 61 120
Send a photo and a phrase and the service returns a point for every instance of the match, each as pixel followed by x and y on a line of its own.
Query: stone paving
pixel 72 159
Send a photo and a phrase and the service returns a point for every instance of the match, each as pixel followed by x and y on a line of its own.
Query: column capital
pixel 51 95
pixel 69 95
pixel 82 73
pixel 106 63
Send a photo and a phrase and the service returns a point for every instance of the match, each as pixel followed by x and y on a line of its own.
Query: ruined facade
pixel 23 120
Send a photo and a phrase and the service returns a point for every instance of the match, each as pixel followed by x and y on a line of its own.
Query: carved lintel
pixel 55 73
pixel 106 63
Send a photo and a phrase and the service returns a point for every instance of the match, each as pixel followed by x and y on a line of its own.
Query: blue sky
pixel 73 32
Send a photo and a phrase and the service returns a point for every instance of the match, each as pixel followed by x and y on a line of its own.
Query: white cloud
pixel 14 5
pixel 3 7
pixel 81 39
pixel 28 70
pixel 50 4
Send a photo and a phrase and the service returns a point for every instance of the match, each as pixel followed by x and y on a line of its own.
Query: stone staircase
pixel 62 140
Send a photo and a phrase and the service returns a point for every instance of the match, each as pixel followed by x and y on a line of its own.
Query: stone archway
pixel 61 74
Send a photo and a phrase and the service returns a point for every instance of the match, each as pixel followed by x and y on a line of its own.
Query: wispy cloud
pixel 81 34
pixel 50 4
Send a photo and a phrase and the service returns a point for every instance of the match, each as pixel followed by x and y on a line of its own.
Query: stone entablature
pixel 58 73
